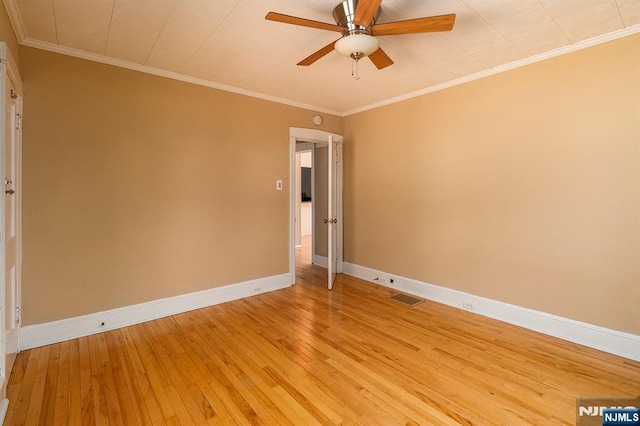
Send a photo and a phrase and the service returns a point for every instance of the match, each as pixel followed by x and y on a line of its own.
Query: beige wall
pixel 523 187
pixel 7 35
pixel 138 187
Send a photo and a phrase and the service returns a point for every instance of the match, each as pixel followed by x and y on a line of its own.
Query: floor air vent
pixel 406 299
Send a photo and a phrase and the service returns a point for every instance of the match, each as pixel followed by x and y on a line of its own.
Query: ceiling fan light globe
pixel 357 43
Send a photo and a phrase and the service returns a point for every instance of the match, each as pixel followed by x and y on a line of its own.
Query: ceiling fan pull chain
pixel 354 69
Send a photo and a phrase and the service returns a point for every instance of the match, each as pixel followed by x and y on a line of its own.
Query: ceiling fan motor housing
pixel 344 14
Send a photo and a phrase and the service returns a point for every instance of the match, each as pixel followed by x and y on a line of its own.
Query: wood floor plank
pixel 62 386
pixel 109 369
pixel 37 397
pixel 47 413
pixel 88 411
pixel 21 395
pixel 148 410
pixel 124 387
pixel 74 413
pixel 98 383
pixel 153 373
pixel 304 355
pixel 178 392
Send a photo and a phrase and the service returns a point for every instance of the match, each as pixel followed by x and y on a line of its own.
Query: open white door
pixel 3 134
pixel 12 221
pixel 332 214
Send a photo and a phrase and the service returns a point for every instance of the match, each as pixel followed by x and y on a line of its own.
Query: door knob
pixel 10 191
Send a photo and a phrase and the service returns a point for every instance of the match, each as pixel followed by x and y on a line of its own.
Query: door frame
pixel 320 137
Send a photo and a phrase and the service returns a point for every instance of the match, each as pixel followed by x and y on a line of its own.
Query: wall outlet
pixel 468 305
pixel 257 289
pixel 380 280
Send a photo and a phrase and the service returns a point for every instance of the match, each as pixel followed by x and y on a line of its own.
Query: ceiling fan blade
pixel 380 59
pixel 279 17
pixel 412 26
pixel 317 55
pixel 365 10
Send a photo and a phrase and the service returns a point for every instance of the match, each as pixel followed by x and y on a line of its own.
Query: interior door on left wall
pixel 4 377
pixel 11 228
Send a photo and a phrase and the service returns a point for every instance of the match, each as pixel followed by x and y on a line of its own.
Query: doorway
pixel 305 207
pixel 326 195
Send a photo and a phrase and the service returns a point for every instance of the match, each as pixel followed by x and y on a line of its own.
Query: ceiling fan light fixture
pixel 357 45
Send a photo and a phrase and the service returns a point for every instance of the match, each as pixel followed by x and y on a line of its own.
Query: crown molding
pixel 502 68
pixel 94 57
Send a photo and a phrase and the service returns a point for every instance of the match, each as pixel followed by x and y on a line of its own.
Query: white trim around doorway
pixel 298 134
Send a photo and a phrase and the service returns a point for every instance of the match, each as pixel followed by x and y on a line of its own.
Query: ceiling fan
pixel 357 21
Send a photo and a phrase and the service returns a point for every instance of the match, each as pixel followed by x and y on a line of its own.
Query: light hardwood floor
pixel 306 356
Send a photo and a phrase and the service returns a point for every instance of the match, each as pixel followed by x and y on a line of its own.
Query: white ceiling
pixel 228 42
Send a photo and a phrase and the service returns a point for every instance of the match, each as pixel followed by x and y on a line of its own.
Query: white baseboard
pixel 320 261
pixel 33 336
pixel 593 336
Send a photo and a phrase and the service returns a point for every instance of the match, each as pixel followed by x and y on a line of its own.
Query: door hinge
pixel 18 315
pixel 18 121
